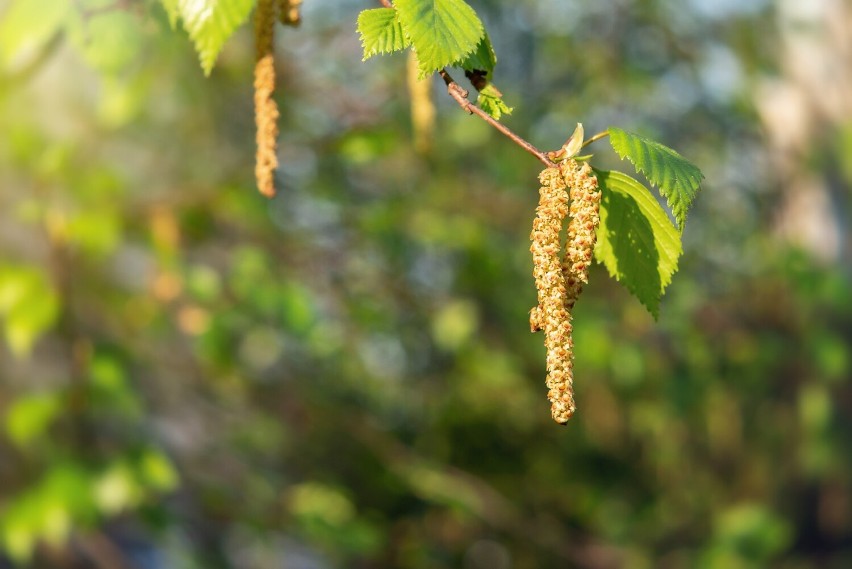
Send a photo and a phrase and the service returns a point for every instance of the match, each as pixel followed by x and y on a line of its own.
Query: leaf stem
pixel 460 95
pixel 592 139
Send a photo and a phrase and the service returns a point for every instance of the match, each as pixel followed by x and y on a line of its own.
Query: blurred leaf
pixel 441 31
pixel 753 532
pixel 454 324
pixel 204 283
pixel 117 489
pixel 108 41
pixel 297 306
pixel 327 516
pixel 27 25
pixel 29 417
pixel 312 499
pixel 110 389
pixel 97 232
pixel 172 10
pixel 47 510
pixel 157 471
pixel 636 241
pixel 381 32
pixel 28 304
pixel 678 179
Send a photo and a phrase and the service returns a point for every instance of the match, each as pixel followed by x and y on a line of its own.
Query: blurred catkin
pixel 559 283
pixel 290 12
pixel 266 111
pixel 422 106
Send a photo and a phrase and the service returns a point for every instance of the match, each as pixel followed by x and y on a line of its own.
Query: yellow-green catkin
pixel 551 314
pixel 559 282
pixel 585 217
pixel 265 108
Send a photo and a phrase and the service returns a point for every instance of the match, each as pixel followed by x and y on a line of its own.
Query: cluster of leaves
pixel 442 33
pixel 637 241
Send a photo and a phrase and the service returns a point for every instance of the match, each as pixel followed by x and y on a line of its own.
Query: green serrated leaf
pixel 677 178
pixel 635 240
pixel 441 31
pixel 210 23
pixel 490 100
pixel 483 58
pixel 381 32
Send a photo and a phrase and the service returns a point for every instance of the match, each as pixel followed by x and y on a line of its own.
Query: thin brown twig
pixel 592 139
pixel 460 95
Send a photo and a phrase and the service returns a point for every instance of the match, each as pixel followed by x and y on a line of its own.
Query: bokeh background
pixel 195 377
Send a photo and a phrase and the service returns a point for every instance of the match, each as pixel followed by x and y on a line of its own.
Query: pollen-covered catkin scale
pixel 265 109
pixel 551 314
pixel 585 217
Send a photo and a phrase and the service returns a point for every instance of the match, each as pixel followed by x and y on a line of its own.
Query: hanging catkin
pixel 585 217
pixel 560 282
pixel 551 314
pixel 289 12
pixel 265 109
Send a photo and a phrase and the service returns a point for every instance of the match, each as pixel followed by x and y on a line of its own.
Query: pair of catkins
pixel 570 189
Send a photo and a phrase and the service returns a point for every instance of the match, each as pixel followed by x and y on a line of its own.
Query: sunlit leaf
pixel 635 240
pixel 491 101
pixel 172 10
pixel 678 179
pixel 210 23
pixel 442 31
pixel 482 58
pixel 381 32
pixel 29 417
pixel 27 25
pixel 28 304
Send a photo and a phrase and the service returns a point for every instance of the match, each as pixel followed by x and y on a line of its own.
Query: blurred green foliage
pixel 193 376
